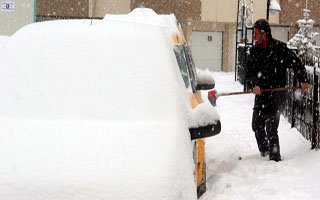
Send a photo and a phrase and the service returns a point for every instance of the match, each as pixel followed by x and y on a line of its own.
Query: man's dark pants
pixel 265 126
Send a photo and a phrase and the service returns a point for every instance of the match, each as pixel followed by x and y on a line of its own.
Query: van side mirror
pixel 205 80
pixel 204 86
pixel 205 131
pixel 204 121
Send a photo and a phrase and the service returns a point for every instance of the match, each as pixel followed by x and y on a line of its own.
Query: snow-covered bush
pixel 304 41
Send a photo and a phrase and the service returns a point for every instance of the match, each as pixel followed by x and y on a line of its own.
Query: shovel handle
pixel 262 90
pixel 234 93
pixel 279 89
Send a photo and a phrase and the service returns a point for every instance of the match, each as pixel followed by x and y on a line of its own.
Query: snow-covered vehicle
pixel 194 80
pixel 99 111
pixel 3 40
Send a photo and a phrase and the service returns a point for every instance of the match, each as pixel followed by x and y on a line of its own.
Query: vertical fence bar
pixel 294 102
pixel 315 131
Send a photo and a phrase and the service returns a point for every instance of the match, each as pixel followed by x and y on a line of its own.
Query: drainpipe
pixel 34 10
pixel 268 8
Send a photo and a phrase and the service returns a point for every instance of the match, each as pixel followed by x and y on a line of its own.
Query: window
pixel 183 64
pixel 191 68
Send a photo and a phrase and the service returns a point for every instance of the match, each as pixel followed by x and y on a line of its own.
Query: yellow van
pixel 192 82
pixel 193 85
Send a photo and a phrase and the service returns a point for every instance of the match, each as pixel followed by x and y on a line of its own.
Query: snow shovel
pixel 213 94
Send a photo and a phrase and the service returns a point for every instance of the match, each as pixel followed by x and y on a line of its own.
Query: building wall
pixel 226 11
pixel 22 14
pixel 221 15
pixel 292 10
pixel 194 15
pixel 99 8
pixel 63 9
pixel 227 29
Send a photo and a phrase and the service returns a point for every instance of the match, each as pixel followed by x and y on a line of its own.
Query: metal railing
pixel 302 110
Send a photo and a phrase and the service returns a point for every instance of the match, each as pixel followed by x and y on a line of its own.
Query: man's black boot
pixel 275 157
pixel 264 153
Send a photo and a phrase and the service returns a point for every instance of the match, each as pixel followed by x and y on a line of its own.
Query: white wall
pixel 281 33
pixel 226 10
pixel 22 13
pixel 207 52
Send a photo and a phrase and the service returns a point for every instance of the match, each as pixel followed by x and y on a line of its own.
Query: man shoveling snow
pixel 267 65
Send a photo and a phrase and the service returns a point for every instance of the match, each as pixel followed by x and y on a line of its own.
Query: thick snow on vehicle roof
pixel 148 16
pixel 3 40
pixel 78 71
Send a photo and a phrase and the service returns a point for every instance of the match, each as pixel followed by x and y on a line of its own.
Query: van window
pixel 191 67
pixel 183 64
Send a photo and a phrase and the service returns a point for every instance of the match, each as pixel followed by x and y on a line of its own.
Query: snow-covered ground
pixel 252 177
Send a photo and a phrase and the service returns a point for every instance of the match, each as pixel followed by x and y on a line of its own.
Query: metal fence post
pixel 315 130
pixel 294 102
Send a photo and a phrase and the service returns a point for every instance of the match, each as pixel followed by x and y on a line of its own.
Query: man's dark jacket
pixel 267 67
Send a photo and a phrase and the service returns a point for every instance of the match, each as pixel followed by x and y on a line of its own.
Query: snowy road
pixel 296 177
